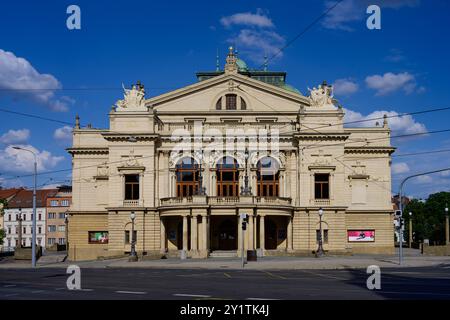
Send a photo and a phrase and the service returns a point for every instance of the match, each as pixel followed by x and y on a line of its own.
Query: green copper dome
pixel 288 87
pixel 242 66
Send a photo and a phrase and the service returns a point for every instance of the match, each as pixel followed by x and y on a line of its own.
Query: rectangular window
pixel 54 203
pixel 61 215
pixel 61 228
pixel 52 215
pixel 322 186
pixel 39 229
pixel 51 228
pixel 51 241
pixel 9 230
pixel 100 237
pixel 132 187
pixel 61 241
pixel 40 217
pixel 230 101
pixel 325 236
pixel 64 203
pixel 127 236
pixel 24 229
pixel 9 218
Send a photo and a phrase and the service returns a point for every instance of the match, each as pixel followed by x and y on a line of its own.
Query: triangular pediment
pixel 203 96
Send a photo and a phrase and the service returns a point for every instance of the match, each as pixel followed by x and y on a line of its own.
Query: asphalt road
pixel 110 283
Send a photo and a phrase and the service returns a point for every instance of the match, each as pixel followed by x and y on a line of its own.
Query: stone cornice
pixel 371 150
pixel 331 136
pixel 88 150
pixel 125 136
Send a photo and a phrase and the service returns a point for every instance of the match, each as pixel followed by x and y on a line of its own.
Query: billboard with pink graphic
pixel 361 235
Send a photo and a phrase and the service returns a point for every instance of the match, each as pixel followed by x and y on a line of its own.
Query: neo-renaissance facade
pixel 189 162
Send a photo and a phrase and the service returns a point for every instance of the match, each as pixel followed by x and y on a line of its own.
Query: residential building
pixel 18 218
pixel 5 196
pixel 172 161
pixel 57 207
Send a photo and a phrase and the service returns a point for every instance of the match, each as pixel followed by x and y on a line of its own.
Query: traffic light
pixel 398 213
pixel 244 217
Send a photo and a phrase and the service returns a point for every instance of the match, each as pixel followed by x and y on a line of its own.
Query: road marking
pixel 227 275
pixel 260 299
pixel 131 292
pixel 324 275
pixel 37 291
pixel 11 295
pixel 191 295
pixel 60 288
pixel 273 275
pixel 10 285
pixel 86 289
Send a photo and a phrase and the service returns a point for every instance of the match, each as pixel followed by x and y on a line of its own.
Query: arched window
pixel 243 104
pixel 268 176
pixel 187 171
pixel 219 104
pixel 227 177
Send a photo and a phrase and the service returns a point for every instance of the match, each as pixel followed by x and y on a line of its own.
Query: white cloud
pixel 395 55
pixel 15 161
pixel 391 82
pixel 63 134
pixel 15 136
pixel 257 43
pixel 398 124
pixel 401 167
pixel 20 80
pixel 424 179
pixel 349 11
pixel 344 87
pixel 248 19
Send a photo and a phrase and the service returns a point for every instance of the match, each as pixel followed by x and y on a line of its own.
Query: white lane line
pixel 11 295
pixel 10 285
pixel 191 295
pixel 260 299
pixel 131 292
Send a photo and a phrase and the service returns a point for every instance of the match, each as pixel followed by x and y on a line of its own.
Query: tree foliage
pixel 428 218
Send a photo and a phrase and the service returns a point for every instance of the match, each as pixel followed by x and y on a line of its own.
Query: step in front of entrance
pixel 223 254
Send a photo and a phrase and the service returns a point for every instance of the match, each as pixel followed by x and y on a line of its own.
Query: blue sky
pixel 401 68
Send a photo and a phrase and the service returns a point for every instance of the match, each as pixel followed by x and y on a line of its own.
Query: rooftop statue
pixel 133 98
pixel 321 96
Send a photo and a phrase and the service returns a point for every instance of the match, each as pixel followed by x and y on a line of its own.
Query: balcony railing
pixel 225 200
pixel 322 202
pixel 132 203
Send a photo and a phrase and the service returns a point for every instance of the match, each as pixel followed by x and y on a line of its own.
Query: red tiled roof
pixel 24 199
pixel 8 193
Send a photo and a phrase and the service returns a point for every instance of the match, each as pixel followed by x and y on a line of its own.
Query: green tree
pixel 2 236
pixel 428 218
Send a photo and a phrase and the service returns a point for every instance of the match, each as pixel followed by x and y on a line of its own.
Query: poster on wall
pixel 361 235
pixel 98 237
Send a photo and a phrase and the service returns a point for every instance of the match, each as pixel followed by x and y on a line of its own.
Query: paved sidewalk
pixel 266 263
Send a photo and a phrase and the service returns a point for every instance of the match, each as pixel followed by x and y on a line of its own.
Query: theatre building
pixel 191 162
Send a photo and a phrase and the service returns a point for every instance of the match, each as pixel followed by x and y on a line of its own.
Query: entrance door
pixel 228 235
pixel 271 235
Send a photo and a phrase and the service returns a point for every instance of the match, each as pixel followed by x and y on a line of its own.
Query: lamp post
pixel 246 190
pixel 133 256
pixel 33 236
pixel 410 229
pixel 66 221
pixel 320 251
pixel 447 232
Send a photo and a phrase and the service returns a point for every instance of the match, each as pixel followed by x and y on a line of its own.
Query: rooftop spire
pixel 217 60
pixel 231 66
pixel 265 61
pixel 77 122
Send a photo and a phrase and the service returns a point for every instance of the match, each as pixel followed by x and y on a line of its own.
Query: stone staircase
pixel 223 254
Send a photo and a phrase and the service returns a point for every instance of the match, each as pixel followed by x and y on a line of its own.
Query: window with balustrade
pixel 227 177
pixel 132 187
pixel 268 177
pixel 187 173
pixel 322 186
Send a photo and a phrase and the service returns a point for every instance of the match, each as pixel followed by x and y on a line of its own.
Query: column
pixel 251 244
pixel 261 233
pixel 163 236
pixel 185 233
pixel 239 234
pixel 194 233
pixel 289 235
pixel 205 232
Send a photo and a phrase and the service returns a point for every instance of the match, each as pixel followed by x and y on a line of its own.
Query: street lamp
pixel 133 256
pixel 246 190
pixel 410 229
pixel 320 251
pixel 33 230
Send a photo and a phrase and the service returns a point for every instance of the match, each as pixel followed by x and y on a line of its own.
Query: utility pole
pixel 20 229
